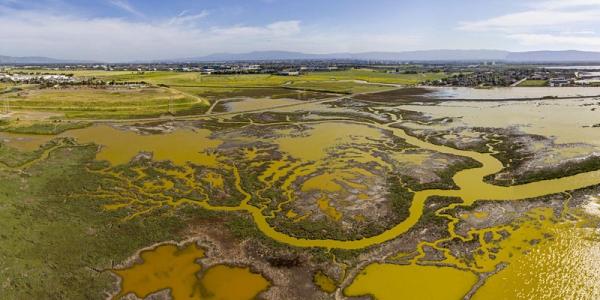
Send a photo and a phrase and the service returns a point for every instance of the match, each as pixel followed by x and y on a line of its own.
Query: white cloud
pixel 580 32
pixel 25 33
pixel 531 20
pixel 556 24
pixel 551 41
pixel 561 4
pixel 185 18
pixel 126 6
pixel 284 28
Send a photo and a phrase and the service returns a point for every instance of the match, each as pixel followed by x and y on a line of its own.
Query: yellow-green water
pixel 324 282
pixel 391 282
pixel 165 267
pixel 25 142
pixel 471 189
pixel 563 267
pixel 251 104
pixel 232 283
pixel 120 146
pixel 322 137
pixel 182 146
pixel 552 118
pixel 178 270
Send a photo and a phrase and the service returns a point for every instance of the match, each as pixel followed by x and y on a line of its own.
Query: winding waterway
pixel 471 186
pixel 470 181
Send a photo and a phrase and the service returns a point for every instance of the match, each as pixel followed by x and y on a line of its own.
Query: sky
pixel 121 30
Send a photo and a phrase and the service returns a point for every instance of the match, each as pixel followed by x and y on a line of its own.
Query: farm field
pixel 174 93
pixel 534 83
pixel 191 78
pixel 84 102
pixel 5 85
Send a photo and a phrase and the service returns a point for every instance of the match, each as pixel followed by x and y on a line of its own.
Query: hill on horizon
pixel 442 55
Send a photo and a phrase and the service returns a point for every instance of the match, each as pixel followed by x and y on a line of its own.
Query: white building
pixel 558 82
pixel 290 73
pixel 587 78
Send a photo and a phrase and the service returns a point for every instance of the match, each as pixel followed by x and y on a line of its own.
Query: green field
pixel 40 127
pixel 344 87
pixel 85 102
pixel 53 216
pixel 190 93
pixel 376 76
pixel 534 83
pixel 252 80
pixel 5 85
pixel 216 93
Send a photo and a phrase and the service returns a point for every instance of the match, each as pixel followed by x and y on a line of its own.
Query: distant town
pixel 483 74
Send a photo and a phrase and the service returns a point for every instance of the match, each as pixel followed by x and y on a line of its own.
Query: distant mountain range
pixel 37 60
pixel 425 55
pixel 554 56
pixel 428 55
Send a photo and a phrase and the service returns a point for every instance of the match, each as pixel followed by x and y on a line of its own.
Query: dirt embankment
pixel 403 95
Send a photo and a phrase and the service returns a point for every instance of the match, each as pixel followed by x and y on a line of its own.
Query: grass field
pixel 345 87
pixel 215 93
pixel 40 127
pixel 195 79
pixel 375 76
pixel 5 85
pixel 534 83
pixel 50 213
pixel 186 93
pixel 82 102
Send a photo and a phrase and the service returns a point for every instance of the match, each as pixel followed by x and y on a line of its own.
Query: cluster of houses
pixel 580 78
pixel 514 76
pixel 291 68
pixel 36 78
pixel 227 69
pixel 483 76
pixel 278 69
